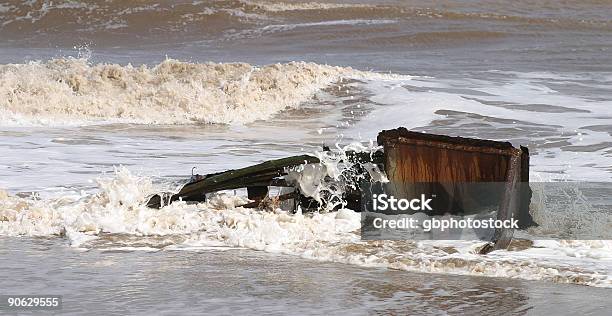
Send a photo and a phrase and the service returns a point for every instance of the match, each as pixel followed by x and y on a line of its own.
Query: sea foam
pixel 74 91
pixel 115 217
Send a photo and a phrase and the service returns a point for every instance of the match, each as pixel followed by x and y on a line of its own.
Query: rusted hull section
pixel 459 171
pixel 452 168
pixel 255 178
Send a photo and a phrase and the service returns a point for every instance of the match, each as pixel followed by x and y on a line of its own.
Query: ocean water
pixel 103 104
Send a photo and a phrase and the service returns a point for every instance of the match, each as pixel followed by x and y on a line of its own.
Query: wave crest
pixel 172 92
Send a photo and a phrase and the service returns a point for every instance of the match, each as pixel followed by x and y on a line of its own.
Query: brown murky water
pixel 224 282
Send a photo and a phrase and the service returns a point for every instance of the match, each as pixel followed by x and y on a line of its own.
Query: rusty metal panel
pixel 451 165
pixel 419 157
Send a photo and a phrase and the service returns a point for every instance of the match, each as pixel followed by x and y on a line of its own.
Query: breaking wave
pixel 115 216
pixel 72 91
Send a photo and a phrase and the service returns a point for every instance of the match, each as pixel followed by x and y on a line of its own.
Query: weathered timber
pixel 256 176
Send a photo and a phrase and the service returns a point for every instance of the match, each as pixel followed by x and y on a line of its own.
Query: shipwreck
pixel 461 172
